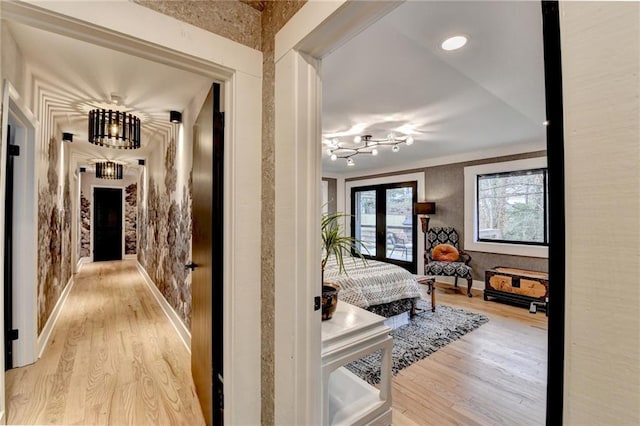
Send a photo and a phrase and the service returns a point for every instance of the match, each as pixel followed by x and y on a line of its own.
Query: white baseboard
pixel 173 317
pixel 45 335
pixel 82 261
pixel 476 284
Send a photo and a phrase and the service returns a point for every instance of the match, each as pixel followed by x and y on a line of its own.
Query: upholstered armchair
pixel 441 265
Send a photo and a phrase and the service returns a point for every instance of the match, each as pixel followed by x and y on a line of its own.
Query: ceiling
pixel 80 76
pixel 394 76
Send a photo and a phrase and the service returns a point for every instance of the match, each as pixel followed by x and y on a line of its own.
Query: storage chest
pixel 516 285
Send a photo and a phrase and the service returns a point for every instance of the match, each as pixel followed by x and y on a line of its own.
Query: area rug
pixel 426 333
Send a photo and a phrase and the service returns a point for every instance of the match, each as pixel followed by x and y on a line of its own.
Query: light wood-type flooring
pixel 494 375
pixel 113 358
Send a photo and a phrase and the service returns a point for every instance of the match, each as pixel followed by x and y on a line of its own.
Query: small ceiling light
pixel 334 157
pixel 395 148
pixel 175 117
pixel 109 170
pixel 374 151
pixel 67 137
pixel 357 139
pixel 409 140
pixel 454 43
pixel 329 151
pixel 350 162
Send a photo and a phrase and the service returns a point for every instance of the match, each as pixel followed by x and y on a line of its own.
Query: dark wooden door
pixel 107 224
pixel 206 284
pixel 9 334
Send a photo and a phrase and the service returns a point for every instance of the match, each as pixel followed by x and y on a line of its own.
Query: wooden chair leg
pixel 455 282
pixel 469 282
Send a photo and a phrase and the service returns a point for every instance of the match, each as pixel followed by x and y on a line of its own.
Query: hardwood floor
pixel 113 358
pixel 494 375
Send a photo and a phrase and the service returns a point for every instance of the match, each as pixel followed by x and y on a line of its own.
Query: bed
pixel 379 287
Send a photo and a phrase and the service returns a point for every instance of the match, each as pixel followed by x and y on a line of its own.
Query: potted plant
pixel 335 243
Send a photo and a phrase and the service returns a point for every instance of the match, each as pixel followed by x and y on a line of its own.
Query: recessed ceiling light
pixel 454 43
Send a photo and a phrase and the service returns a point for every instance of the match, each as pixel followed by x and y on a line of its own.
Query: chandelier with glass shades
pixel 364 144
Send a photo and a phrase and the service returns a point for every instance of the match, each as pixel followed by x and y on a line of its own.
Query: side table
pixel 351 334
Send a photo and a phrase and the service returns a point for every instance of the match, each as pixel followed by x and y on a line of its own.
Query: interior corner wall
pixel 164 216
pixel 444 185
pixel 600 43
pixel 54 215
pixel 13 66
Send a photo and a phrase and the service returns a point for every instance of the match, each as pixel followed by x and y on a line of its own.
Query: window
pixel 383 221
pixel 505 207
pixel 512 207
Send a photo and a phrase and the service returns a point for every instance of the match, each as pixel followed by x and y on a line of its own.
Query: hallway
pixel 113 358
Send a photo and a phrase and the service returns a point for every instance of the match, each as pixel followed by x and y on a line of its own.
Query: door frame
pixel 135 29
pixel 122 216
pixel 25 258
pixel 315 31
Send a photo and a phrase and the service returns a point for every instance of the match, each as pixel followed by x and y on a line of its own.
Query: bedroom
pixel 478 110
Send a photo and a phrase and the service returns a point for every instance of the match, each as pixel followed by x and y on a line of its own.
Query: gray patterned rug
pixel 426 333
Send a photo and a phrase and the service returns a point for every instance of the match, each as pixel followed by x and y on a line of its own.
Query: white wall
pixel 600 61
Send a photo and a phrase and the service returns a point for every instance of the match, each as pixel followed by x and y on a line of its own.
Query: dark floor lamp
pixel 423 210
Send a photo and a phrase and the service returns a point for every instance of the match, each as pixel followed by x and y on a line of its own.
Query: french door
pixel 383 222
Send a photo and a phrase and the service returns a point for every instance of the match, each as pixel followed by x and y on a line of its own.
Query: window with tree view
pixel 512 207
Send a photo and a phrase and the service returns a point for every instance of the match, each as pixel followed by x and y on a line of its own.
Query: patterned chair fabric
pixel 447 235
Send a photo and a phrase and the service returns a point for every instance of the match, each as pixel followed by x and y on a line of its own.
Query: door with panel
pixel 206 283
pixel 107 224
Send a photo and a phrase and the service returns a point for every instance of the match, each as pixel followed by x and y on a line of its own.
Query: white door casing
pixel 139 31
pixel 317 29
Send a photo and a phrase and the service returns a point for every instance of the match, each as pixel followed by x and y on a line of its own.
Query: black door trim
pixel 555 163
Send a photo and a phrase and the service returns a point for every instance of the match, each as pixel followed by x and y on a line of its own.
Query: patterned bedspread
pixel 373 283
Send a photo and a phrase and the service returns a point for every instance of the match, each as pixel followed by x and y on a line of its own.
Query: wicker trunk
pixel 516 285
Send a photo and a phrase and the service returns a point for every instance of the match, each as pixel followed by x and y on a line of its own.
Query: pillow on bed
pixel 445 253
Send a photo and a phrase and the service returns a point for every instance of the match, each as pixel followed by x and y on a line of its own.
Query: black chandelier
pixel 108 170
pixel 364 144
pixel 114 129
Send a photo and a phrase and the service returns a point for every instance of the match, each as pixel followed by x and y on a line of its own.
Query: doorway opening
pixel 301 51
pixel 107 224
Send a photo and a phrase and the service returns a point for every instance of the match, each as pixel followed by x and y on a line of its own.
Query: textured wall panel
pixel 276 14
pixel 231 19
pixel 601 61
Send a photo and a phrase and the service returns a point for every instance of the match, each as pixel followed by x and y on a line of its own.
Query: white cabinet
pixel 351 334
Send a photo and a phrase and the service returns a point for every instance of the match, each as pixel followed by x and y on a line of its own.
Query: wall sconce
pixel 175 117
pixel 141 162
pixel 83 169
pixel 67 137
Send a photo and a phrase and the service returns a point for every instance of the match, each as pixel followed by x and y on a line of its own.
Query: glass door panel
pixel 399 224
pixel 365 221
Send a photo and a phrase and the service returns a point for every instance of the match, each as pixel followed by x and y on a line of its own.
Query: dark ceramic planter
pixel 329 299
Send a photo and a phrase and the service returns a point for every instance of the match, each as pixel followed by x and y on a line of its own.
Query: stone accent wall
pixel 54 237
pixel 231 19
pixel 275 15
pixel 165 236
